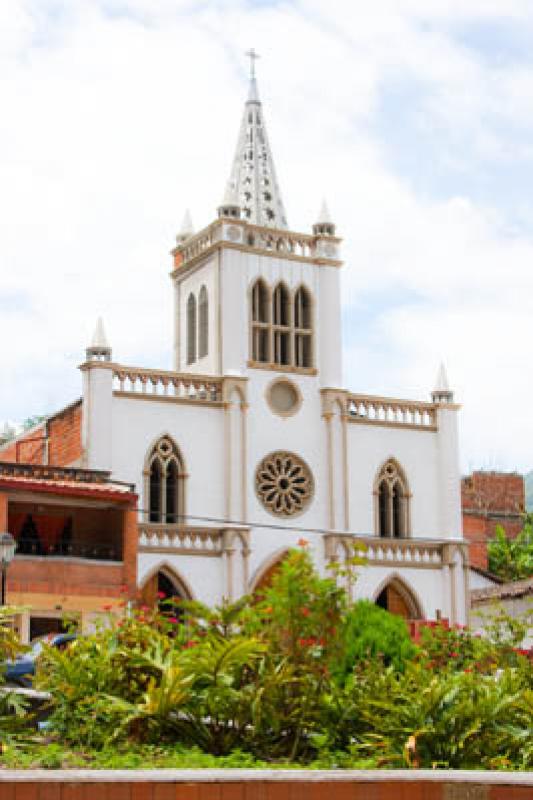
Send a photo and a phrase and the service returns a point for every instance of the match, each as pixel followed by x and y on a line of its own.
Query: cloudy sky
pixel 413 117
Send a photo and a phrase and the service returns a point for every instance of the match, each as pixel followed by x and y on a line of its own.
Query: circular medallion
pixel 233 233
pixel 284 484
pixel 284 397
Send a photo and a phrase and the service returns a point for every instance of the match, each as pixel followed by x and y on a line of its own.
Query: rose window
pixel 284 484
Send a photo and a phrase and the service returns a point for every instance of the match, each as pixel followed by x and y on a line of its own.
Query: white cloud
pixel 117 115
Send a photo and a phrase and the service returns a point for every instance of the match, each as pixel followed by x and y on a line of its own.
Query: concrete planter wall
pixel 262 785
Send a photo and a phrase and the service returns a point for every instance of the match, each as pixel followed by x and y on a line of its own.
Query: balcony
pixel 383 551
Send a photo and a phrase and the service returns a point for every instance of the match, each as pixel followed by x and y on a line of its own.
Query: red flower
pixel 268 610
pixel 190 643
pixel 161 595
pixel 305 611
pixel 173 620
pixel 107 608
pixel 454 654
pixel 302 542
pixel 467 670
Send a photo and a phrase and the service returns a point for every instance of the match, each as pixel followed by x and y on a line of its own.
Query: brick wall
pixel 64 440
pixel 489 500
pixel 302 785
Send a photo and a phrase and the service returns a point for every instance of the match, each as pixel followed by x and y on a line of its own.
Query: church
pixel 251 444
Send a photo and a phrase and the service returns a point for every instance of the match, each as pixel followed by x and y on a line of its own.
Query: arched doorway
pixel 160 586
pixel 398 599
pixel 265 575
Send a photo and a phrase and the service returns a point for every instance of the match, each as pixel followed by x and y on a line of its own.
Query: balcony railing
pixel 162 384
pixel 157 537
pixel 384 551
pixel 390 412
pixel 90 550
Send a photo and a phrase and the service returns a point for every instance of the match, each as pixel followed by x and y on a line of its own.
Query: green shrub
pixel 370 632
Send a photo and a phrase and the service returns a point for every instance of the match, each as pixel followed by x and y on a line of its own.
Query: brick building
pixel 490 499
pixel 76 533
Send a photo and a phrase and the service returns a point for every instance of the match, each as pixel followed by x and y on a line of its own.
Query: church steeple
pixel 253 183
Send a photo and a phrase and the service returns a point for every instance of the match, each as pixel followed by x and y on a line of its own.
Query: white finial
pixel 324 225
pixel 442 392
pixel 253 94
pixel 99 338
pixel 99 349
pixel 442 384
pixel 187 228
pixel 324 215
pixel 231 197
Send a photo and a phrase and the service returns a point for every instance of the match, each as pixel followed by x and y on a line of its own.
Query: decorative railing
pixel 389 411
pixel 95 551
pixel 281 241
pixel 180 539
pixel 383 551
pixel 269 240
pixel 162 383
pixel 196 245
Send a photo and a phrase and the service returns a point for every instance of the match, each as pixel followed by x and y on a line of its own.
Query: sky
pixel 413 118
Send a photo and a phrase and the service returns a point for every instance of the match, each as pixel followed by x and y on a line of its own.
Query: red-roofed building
pixel 491 500
pixel 76 533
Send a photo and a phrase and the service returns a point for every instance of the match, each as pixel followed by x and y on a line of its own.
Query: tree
pixel 512 559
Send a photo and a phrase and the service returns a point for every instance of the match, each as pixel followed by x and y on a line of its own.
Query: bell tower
pixel 249 293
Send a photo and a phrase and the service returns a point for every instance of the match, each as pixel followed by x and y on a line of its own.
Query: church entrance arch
pixel 266 573
pixel 161 585
pixel 397 598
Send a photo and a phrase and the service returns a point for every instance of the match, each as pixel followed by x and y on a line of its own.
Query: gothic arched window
pixel 165 482
pixel 260 322
pixel 191 329
pixel 203 323
pixel 303 329
pixel 392 502
pixel 281 316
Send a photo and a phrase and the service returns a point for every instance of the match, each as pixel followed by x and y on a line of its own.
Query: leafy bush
pixel 294 676
pixel 370 632
pixel 512 559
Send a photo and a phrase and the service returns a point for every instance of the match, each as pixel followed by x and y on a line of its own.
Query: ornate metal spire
pixel 253 181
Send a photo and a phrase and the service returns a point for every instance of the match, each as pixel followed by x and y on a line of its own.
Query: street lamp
pixel 8 546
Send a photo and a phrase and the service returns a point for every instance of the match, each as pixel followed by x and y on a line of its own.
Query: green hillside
pixel 529 491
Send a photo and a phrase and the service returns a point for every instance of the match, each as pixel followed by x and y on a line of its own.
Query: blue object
pixel 22 670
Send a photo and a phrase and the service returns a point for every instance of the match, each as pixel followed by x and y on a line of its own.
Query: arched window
pixel 392 501
pixel 191 329
pixel 260 322
pixel 281 316
pixel 165 476
pixel 303 333
pixel 397 598
pixel 203 323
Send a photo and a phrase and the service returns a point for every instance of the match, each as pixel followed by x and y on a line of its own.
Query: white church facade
pixel 251 443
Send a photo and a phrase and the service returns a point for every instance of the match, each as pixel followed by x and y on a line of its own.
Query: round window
pixel 284 398
pixel 284 484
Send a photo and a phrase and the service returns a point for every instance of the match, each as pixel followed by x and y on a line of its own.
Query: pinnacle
pixel 324 215
pixel 442 384
pixel 187 228
pixel 99 340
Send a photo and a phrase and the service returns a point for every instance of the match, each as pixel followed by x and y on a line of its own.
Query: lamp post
pixel 8 546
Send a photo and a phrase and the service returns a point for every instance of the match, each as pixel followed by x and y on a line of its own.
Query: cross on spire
pixel 253 56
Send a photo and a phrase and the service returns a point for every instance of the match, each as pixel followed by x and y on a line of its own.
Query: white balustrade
pixel 268 240
pixel 389 411
pixel 385 551
pixel 134 380
pixel 180 539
